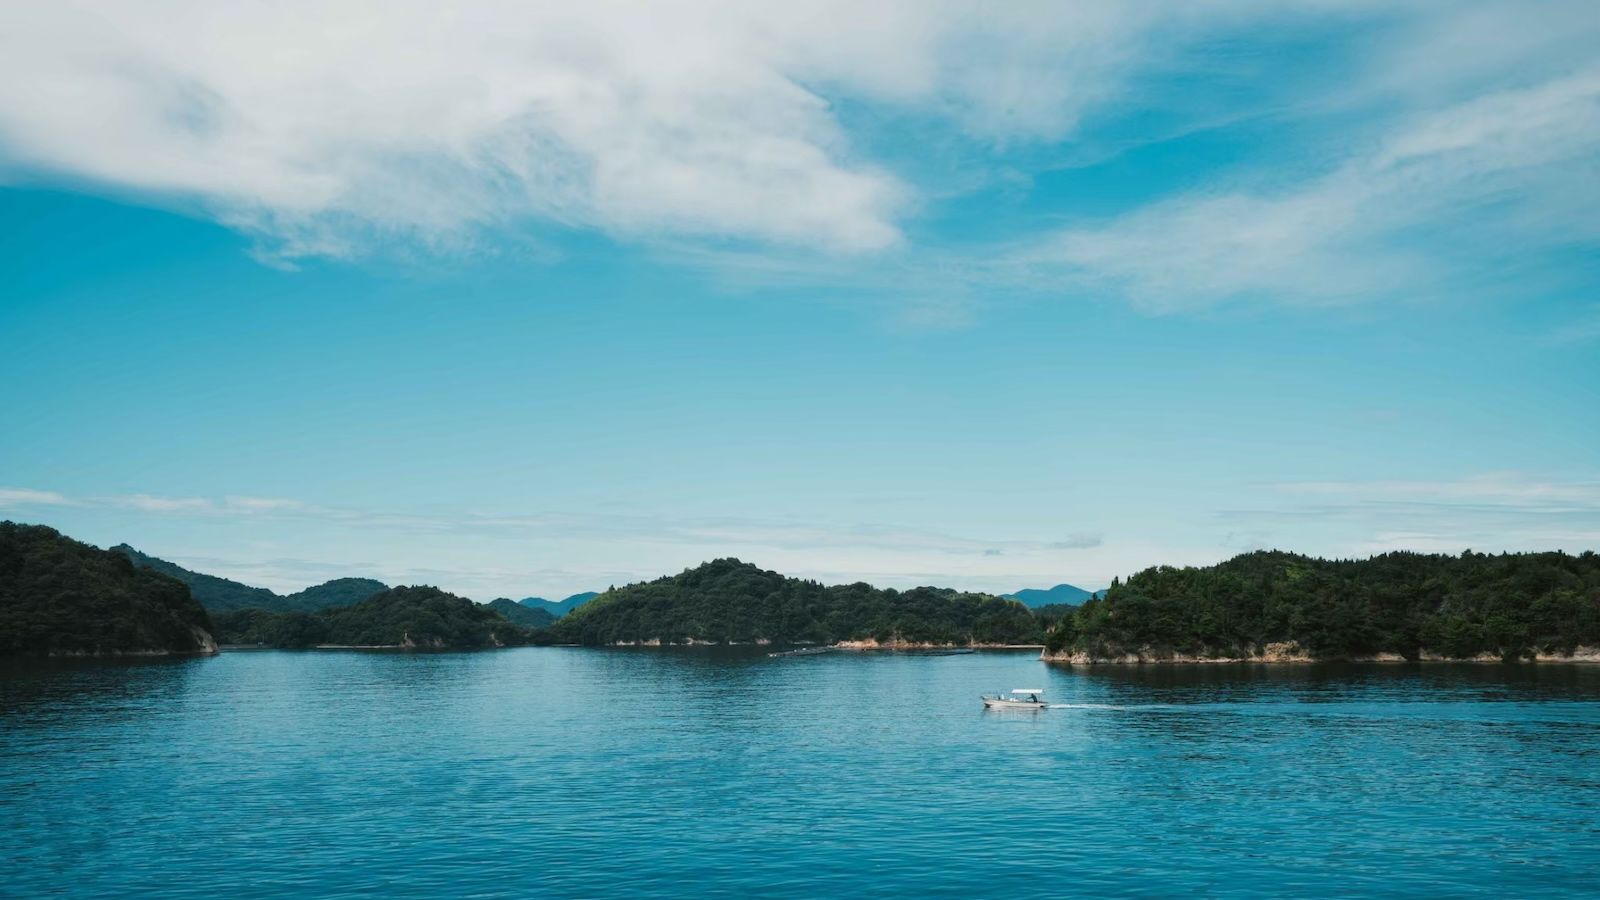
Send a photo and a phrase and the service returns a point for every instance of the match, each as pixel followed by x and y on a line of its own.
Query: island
pixel 727 601
pixel 59 597
pixel 1272 606
pixel 412 618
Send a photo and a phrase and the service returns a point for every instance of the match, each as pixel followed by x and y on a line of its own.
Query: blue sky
pixel 518 299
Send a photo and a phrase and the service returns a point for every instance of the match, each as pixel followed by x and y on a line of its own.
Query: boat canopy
pixel 1027 690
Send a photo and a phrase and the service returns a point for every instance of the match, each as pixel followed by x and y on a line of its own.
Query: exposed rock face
pixel 1578 654
pixel 899 644
pixel 1276 652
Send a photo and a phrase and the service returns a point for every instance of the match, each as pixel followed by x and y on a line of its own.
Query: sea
pixel 727 772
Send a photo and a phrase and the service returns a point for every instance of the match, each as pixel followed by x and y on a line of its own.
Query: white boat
pixel 1019 698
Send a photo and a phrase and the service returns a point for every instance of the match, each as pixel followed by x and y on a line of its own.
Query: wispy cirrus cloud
pixel 1500 510
pixel 726 531
pixel 13 497
pixel 150 503
pixel 261 504
pixel 1508 489
pixel 1582 329
pixel 1444 199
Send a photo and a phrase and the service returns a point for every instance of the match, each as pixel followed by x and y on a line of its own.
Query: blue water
pixel 707 772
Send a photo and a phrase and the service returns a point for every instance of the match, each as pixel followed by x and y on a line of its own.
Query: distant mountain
pixel 519 614
pixel 1061 593
pixel 215 594
pixel 561 608
pixel 728 601
pixel 221 595
pixel 59 597
pixel 422 618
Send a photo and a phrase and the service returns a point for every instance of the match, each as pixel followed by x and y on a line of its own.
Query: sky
pixel 529 299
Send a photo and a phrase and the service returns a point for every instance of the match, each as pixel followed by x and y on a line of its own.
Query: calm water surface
pixel 704 772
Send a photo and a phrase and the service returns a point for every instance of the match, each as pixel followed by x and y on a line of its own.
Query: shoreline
pixel 866 644
pixel 115 654
pixel 1291 654
pixel 875 644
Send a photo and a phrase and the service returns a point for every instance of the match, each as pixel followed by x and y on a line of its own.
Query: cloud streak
pixel 724 531
pixel 1498 511
pixel 319 126
pixel 1485 180
pixel 17 497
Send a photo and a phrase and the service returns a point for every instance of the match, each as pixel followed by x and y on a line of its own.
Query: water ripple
pixel 705 772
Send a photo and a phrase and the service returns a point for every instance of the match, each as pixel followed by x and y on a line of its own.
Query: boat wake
pixel 1128 707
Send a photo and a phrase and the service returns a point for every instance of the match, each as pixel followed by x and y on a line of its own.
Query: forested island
pixel 424 618
pixel 59 597
pixel 727 601
pixel 1277 606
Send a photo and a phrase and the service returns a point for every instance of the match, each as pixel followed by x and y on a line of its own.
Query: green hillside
pixel 1510 605
pixel 728 601
pixel 417 617
pixel 62 597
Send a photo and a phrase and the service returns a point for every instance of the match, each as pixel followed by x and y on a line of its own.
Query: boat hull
pixel 998 703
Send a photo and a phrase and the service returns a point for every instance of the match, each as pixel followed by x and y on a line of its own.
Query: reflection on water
pixel 659 772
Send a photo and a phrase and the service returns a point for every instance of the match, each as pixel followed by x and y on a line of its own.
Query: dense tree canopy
pixel 59 596
pixel 1509 605
pixel 424 617
pixel 332 594
pixel 728 601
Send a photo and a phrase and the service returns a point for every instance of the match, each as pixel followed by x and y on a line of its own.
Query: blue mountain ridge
pixel 1061 593
pixel 559 608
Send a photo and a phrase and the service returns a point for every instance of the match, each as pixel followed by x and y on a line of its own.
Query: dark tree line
pixel 59 596
pixel 424 617
pixel 728 601
pixel 1510 605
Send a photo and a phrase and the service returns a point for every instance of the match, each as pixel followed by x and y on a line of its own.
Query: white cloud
pixel 1484 179
pixel 319 124
pixel 1500 489
pixel 14 497
pixel 729 127
pixel 1482 542
pixel 149 503
pixel 1494 511
pixel 261 504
